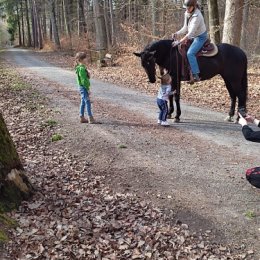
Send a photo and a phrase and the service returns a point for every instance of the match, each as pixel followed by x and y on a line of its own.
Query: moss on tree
pixel 9 158
pixel 14 185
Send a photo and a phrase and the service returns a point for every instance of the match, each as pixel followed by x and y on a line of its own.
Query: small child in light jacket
pixel 162 99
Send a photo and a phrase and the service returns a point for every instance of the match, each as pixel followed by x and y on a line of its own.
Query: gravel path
pixel 199 162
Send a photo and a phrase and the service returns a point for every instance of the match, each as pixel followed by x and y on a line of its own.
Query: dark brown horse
pixel 230 63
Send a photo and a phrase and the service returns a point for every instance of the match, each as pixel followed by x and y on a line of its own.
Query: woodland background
pixel 117 26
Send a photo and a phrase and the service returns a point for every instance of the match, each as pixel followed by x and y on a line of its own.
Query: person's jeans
pixel 194 49
pixel 85 101
pixel 163 106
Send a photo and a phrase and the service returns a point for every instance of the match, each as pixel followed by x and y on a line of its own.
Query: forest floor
pixel 120 189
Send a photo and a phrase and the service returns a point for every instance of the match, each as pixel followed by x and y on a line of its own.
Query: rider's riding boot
pixel 196 77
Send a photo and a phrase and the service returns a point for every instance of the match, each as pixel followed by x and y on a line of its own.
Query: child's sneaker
pixel 83 119
pixel 165 123
pixel 91 120
pixel 159 121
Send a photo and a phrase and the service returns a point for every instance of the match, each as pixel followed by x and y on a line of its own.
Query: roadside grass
pixel 122 146
pixel 11 81
pixel 6 223
pixel 250 214
pixel 50 122
pixel 56 137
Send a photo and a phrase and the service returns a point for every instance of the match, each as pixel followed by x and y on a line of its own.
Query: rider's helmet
pixel 188 3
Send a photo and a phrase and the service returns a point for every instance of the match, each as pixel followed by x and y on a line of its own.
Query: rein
pixel 177 68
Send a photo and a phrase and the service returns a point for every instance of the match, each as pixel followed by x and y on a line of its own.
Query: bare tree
pixel 257 48
pixel 101 34
pixel 233 22
pixel 19 25
pixel 14 185
pixel 22 22
pixel 82 26
pixel 54 24
pixel 155 17
pixel 214 21
pixel 243 42
pixel 112 22
pixel 29 37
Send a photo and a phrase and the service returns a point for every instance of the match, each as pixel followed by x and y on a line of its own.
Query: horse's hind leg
pixel 171 107
pixel 178 108
pixel 230 117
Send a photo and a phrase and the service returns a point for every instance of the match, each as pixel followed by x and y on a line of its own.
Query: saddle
pixel 208 50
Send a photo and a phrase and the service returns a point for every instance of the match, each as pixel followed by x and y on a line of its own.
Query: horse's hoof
pixel 229 119
pixel 169 116
pixel 176 120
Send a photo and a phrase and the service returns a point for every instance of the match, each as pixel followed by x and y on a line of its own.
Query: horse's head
pixel 148 63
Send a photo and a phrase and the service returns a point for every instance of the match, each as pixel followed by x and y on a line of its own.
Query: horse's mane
pixel 155 45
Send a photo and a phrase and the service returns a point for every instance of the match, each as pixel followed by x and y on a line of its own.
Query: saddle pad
pixel 253 176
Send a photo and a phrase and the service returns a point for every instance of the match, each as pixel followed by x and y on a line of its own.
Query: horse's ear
pixel 137 54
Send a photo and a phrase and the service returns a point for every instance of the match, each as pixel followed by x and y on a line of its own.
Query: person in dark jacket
pixel 248 132
pixel 253 174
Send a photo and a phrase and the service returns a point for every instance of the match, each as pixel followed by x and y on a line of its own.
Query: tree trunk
pixel 101 35
pixel 54 24
pixel 107 22
pixel 44 21
pixel 19 26
pixel 67 15
pixel 14 185
pixel 155 17
pixel 22 23
pixel 29 37
pixel 257 48
pixel 38 30
pixel 66 18
pixel 113 36
pixel 214 21
pixel 33 23
pixel 51 34
pixel 233 22
pixel 82 26
pixel 243 42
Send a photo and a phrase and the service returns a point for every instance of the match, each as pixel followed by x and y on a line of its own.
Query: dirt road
pixel 194 169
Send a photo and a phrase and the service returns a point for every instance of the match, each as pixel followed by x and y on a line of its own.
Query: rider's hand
pixel 175 43
pixel 174 36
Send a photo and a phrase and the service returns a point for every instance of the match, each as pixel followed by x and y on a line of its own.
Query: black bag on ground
pixel 253 176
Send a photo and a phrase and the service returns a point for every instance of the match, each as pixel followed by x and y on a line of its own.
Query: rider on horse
pixel 194 27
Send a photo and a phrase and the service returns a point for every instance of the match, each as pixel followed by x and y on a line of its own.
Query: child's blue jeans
pixel 194 49
pixel 85 101
pixel 162 104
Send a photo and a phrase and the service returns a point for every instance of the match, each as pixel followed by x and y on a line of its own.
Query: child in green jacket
pixel 84 87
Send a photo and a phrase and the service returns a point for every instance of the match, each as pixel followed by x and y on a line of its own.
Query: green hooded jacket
pixel 82 76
